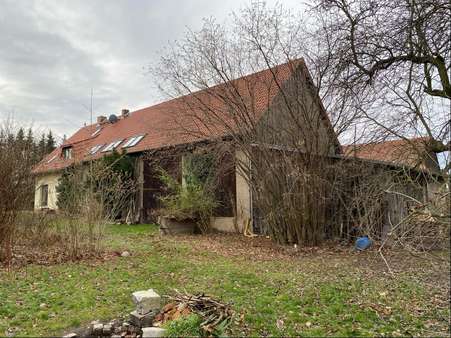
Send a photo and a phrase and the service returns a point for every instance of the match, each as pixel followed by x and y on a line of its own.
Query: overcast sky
pixel 53 52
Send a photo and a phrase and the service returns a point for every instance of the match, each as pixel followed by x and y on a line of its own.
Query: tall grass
pixel 38 234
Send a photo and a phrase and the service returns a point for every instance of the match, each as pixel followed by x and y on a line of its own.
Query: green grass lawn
pixel 316 294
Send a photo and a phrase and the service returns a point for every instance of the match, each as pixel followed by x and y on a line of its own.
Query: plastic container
pixel 363 243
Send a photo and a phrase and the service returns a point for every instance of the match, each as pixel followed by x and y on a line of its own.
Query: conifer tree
pixel 20 138
pixel 50 143
pixel 41 146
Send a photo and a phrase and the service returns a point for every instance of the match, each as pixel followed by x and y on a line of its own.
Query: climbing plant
pixel 194 197
pixel 108 183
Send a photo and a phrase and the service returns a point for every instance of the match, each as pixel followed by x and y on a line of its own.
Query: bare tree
pixel 16 160
pixel 373 86
pixel 274 120
pixel 391 59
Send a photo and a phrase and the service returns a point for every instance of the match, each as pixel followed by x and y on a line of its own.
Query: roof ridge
pixel 419 138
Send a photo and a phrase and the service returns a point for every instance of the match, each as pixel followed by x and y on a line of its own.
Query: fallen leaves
pixel 171 311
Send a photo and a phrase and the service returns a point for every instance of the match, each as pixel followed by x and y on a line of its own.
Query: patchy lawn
pixel 274 290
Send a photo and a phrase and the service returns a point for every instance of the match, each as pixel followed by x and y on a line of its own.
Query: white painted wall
pixel 52 181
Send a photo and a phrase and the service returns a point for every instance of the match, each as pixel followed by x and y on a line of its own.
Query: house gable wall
pixel 51 180
pixel 296 118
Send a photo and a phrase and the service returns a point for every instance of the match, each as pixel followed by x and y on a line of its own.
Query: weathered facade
pixel 164 126
pixel 45 196
pixel 283 105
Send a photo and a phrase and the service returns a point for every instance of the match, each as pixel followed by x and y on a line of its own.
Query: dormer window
pixel 67 153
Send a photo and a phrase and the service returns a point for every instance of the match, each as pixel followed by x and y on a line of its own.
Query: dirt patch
pixel 25 255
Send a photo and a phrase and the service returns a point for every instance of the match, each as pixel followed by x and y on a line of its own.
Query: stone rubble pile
pixel 138 325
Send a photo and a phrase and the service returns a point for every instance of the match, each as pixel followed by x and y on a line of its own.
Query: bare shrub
pixel 90 196
pixel 16 160
pixel 49 238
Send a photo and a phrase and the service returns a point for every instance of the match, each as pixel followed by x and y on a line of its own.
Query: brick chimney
pixel 101 119
pixel 125 113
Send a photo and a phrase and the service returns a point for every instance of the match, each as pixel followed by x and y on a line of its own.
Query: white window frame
pixel 111 146
pixel 53 158
pixel 133 141
pixel 94 150
pixel 96 132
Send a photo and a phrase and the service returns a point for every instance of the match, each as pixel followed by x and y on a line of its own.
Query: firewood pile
pixel 214 313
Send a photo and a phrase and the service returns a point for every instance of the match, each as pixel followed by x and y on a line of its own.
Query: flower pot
pixel 171 226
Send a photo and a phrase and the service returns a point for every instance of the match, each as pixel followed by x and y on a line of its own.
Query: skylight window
pixel 95 149
pixel 133 141
pixel 111 146
pixel 53 157
pixel 96 132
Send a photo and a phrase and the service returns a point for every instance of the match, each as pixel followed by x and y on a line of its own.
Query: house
pixel 266 100
pixel 408 152
pixel 180 122
pixel 404 153
pixel 387 181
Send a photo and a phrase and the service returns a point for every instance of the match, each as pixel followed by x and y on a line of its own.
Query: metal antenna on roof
pixel 92 94
pixel 90 162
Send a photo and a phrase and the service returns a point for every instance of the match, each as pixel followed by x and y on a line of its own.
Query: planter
pixel 171 226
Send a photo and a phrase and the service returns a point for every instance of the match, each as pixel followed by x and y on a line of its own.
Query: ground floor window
pixel 44 195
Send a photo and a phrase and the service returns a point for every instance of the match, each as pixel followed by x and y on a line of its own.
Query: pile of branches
pixel 422 230
pixel 215 315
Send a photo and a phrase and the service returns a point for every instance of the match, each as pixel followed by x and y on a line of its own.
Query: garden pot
pixel 172 226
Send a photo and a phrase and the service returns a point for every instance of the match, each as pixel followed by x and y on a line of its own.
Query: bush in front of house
pixel 103 189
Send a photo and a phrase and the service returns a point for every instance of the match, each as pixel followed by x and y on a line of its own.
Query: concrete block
pixel 140 320
pixel 146 301
pixel 170 226
pixel 153 332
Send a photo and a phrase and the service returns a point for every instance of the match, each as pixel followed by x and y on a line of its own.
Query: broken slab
pixel 107 329
pixel 97 329
pixel 70 335
pixel 153 332
pixel 146 301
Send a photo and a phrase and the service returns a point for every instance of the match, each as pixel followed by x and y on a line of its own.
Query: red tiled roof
pixel 411 152
pixel 162 123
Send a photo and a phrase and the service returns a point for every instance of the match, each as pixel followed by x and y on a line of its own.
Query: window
pixel 95 149
pixel 111 146
pixel 96 132
pixel 44 195
pixel 133 141
pixel 67 153
pixel 53 157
